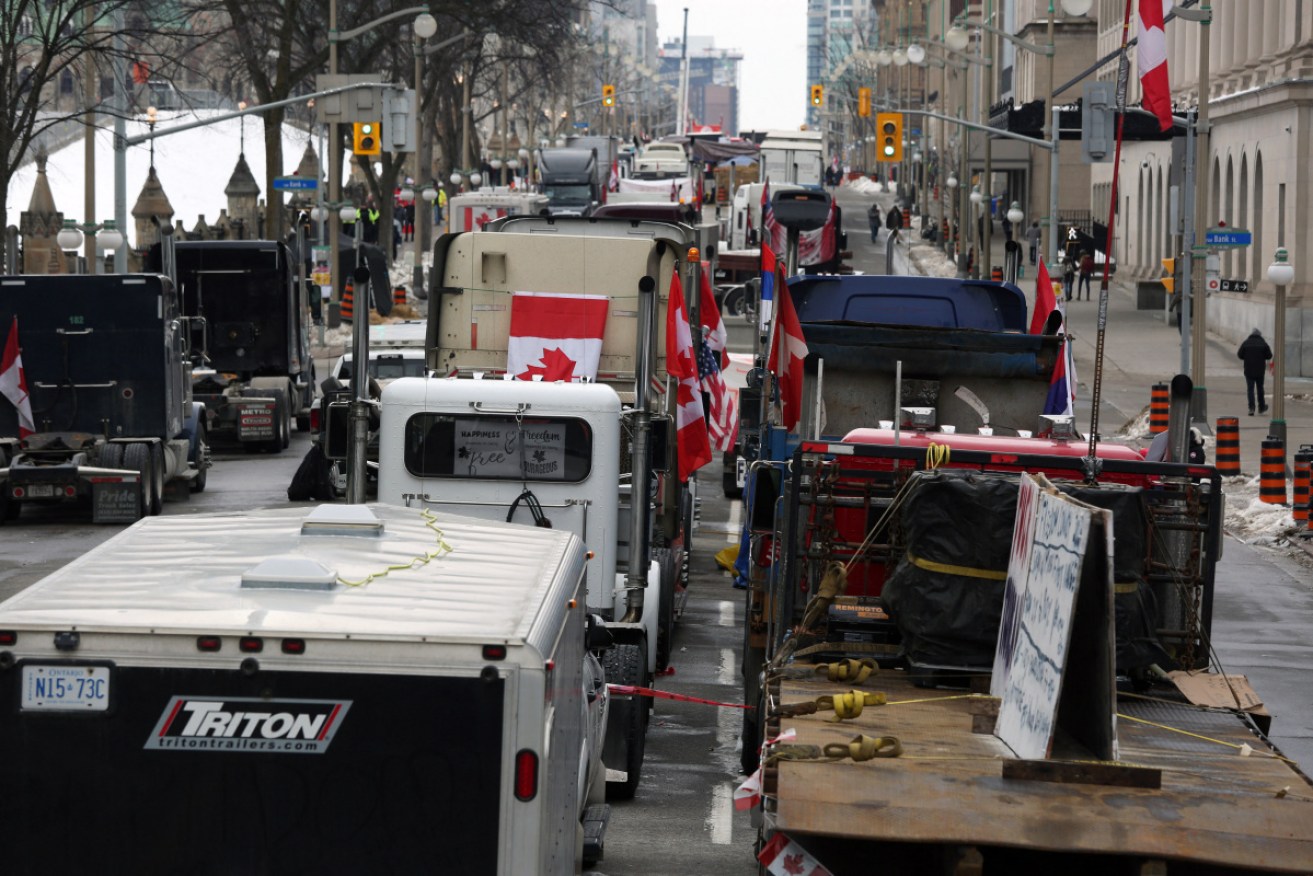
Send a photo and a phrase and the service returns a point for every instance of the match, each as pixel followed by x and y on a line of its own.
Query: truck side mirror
pixel 658 446
pixel 337 418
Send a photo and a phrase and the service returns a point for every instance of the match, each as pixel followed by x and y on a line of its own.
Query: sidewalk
pixel 1140 349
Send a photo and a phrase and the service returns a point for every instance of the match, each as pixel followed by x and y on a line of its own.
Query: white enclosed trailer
pixel 355 689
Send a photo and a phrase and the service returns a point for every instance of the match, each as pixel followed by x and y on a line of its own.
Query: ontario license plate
pixel 65 688
pixel 41 491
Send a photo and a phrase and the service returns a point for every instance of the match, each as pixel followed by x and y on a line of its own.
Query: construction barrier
pixel 348 303
pixel 399 295
pixel 1303 461
pixel 1159 408
pixel 1272 472
pixel 1228 446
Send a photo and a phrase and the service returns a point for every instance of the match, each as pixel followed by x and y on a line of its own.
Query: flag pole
pixel 1123 74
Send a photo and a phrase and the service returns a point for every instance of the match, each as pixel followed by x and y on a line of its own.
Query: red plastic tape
pixel 632 690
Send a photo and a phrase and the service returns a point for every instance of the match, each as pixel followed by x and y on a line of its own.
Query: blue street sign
pixel 581 124
pixel 1228 237
pixel 295 183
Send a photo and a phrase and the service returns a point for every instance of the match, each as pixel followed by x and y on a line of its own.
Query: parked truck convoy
pixel 329 689
pixel 879 541
pixel 107 368
pixel 247 322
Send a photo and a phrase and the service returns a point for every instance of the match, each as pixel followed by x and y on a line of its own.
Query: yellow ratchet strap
pixel 950 569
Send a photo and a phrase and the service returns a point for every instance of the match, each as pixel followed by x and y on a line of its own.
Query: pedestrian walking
pixel 873 216
pixel 1255 353
pixel 1033 235
pixel 1068 276
pixel 1086 272
pixel 894 221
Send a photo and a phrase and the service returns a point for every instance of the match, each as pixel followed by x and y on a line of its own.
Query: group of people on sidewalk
pixel 1082 266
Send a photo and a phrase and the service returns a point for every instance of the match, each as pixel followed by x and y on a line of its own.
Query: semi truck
pixel 248 324
pixel 794 157
pixel 568 176
pixel 107 369
pixel 326 688
pixel 601 454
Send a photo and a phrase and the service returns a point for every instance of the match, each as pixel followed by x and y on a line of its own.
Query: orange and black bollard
pixel 1303 461
pixel 399 295
pixel 996 274
pixel 348 303
pixel 1159 408
pixel 1272 472
pixel 1228 446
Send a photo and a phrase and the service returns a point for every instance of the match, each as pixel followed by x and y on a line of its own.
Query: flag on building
pixel 13 383
pixel 1151 59
pixel 1045 301
pixel 690 421
pixel 555 336
pixel 788 351
pixel 781 856
pixel 765 306
pixel 713 359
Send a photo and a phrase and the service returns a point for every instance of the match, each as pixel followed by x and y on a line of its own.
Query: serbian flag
pixel 788 351
pixel 13 384
pixel 713 359
pixel 767 304
pixel 1062 386
pixel 1151 59
pixel 690 421
pixel 1045 301
pixel 555 336
pixel 781 856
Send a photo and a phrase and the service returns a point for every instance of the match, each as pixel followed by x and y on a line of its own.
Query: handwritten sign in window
pixel 491 449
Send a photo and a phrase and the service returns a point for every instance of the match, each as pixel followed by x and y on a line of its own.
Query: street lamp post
pixel 425 26
pixel 1281 273
pixel 104 237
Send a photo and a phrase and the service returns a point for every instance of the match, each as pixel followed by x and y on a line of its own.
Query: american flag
pixel 713 358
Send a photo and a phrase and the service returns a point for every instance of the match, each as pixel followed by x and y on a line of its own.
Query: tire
pixel 665 559
pixel 753 725
pixel 732 303
pixel 157 464
pixel 201 458
pixel 136 457
pixel 626 725
pixel 112 457
pixel 280 440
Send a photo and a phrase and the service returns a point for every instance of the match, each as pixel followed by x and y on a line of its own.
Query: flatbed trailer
pixel 948 803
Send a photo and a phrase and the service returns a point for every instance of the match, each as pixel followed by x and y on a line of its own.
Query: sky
pixel 772 34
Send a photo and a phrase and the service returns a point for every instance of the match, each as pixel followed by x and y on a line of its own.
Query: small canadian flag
pixel 781 856
pixel 556 336
pixel 13 383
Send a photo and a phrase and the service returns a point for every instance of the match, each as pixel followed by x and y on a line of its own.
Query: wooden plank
pixel 1080 773
pixel 1214 805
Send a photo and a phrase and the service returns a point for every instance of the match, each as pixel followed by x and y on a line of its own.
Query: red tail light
pixel 314 419
pixel 8 637
pixel 293 646
pixel 208 643
pixel 494 652
pixel 526 775
pixel 251 644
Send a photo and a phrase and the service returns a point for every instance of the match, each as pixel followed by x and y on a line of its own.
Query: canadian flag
pixel 555 336
pixel 713 359
pixel 690 422
pixel 477 217
pixel 788 351
pixel 781 856
pixel 1151 58
pixel 13 385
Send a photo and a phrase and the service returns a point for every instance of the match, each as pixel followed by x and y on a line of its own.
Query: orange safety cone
pixel 1159 408
pixel 1228 446
pixel 1272 472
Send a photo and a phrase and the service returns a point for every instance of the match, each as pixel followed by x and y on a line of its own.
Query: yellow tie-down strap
pixel 950 569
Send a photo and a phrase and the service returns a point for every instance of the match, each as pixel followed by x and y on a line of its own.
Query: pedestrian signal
pixel 818 95
pixel 365 139
pixel 863 102
pixel 890 138
pixel 608 95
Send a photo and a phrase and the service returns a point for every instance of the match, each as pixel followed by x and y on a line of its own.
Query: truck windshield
pixel 498 447
pixel 386 367
pixel 569 195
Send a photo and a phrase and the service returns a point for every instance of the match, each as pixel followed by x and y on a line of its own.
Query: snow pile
pixel 864 186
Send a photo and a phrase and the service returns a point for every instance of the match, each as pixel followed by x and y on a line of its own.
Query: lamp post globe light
pixel 455 178
pixel 1077 8
pixel 916 53
pixel 1282 273
pixel 900 58
pixel 1015 214
pixel 957 38
pixel 476 179
pixel 347 213
pixel 883 58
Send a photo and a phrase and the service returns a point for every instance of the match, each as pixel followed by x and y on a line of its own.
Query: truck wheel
pixel 136 457
pixel 200 458
pixel 280 439
pixel 626 724
pixel 112 457
pixel 732 303
pixel 156 452
pixel 753 725
pixel 665 559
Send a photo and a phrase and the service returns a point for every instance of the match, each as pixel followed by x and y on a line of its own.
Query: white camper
pixel 472 210
pixel 339 689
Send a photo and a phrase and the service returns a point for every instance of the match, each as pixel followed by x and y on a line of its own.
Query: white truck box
pixel 794 157
pixel 354 689
pixel 472 210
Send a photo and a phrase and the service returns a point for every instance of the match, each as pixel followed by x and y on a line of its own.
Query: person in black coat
pixel 894 220
pixel 1255 353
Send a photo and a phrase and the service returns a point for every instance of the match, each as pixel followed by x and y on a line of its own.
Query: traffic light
pixel 818 95
pixel 1169 275
pixel 365 139
pixel 863 102
pixel 608 95
pixel 890 138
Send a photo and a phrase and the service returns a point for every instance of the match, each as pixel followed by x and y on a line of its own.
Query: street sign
pixel 1228 237
pixel 1235 285
pixel 295 183
pixel 581 124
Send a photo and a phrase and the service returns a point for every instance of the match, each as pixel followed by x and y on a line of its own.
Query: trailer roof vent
pixel 355 520
pixel 289 573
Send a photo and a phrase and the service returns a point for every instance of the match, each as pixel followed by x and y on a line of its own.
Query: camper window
pixel 498 447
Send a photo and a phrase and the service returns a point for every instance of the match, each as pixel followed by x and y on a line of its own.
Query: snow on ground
pixel 194 167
